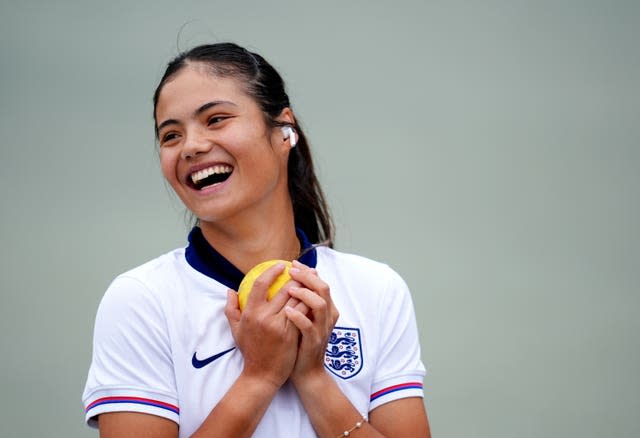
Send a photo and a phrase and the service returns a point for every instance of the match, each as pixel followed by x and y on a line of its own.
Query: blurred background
pixel 489 152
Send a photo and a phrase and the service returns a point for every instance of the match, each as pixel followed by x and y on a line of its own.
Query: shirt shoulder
pixel 166 265
pixel 155 277
pixel 368 274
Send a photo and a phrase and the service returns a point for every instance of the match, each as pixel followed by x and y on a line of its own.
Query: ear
pixel 287 135
pixel 286 116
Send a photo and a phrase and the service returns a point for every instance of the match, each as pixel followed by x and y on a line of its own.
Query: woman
pixel 173 353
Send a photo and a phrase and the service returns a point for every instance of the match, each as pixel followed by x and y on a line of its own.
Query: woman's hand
pixel 315 325
pixel 265 336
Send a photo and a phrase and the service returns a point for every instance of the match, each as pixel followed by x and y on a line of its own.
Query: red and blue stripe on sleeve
pixel 395 388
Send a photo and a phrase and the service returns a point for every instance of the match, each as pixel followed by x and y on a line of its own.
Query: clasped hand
pixel 286 337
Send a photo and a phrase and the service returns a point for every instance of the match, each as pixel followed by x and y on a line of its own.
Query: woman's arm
pixel 135 424
pixel 240 410
pixel 267 341
pixel 330 411
pixel 236 415
pixel 401 418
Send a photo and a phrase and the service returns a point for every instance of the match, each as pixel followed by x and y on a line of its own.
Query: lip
pixel 211 189
pixel 187 178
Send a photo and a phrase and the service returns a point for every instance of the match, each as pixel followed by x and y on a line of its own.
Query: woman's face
pixel 216 149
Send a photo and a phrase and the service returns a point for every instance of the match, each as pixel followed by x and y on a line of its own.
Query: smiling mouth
pixel 210 176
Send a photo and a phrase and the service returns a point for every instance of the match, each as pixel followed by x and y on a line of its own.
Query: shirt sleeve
pixel 399 371
pixel 132 367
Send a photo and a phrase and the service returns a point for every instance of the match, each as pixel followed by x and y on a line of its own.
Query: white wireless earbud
pixel 290 134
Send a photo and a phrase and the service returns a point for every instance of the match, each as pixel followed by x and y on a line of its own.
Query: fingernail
pixel 294 271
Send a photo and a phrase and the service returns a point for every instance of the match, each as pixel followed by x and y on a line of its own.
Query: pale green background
pixel 490 152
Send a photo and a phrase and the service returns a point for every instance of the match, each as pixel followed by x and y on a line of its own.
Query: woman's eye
pixel 215 119
pixel 169 136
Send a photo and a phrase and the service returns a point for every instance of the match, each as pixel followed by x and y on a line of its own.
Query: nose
pixel 195 144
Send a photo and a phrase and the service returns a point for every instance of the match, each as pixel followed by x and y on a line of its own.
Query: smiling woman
pixel 209 122
pixel 333 353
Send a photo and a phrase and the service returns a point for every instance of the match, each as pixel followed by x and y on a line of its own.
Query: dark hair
pixel 262 82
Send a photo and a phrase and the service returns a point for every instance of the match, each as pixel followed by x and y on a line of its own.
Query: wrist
pixel 313 380
pixel 259 385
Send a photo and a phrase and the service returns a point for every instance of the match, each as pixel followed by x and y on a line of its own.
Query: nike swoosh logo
pixel 201 363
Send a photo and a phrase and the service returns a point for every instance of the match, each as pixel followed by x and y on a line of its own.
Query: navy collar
pixel 205 259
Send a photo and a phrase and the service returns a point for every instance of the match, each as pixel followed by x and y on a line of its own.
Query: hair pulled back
pixel 263 83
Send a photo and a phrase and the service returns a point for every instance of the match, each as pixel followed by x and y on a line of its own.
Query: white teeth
pixel 202 174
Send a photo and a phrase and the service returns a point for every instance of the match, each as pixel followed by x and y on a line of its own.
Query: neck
pixel 247 242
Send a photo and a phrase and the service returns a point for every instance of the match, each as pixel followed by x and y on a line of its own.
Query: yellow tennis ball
pixel 247 282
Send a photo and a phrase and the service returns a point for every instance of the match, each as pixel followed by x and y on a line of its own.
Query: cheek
pixel 167 165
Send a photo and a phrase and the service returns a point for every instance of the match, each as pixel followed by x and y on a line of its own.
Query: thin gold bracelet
pixel 357 426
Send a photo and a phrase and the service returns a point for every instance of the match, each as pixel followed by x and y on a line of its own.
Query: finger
pixel 282 297
pixel 319 309
pixel 304 309
pixel 298 305
pixel 311 281
pixel 291 302
pixel 299 319
pixel 313 301
pixel 299 265
pixel 231 309
pixel 261 285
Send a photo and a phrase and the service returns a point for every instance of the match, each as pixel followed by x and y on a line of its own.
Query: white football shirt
pixel 162 344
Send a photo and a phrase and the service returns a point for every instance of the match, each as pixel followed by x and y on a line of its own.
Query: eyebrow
pixel 196 113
